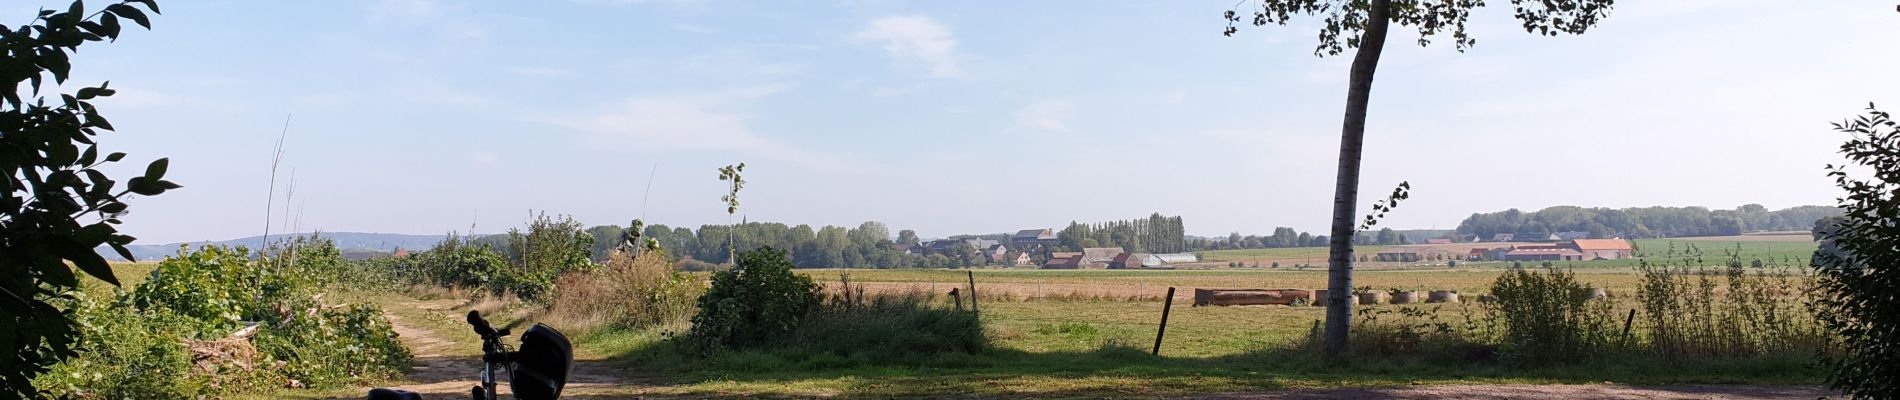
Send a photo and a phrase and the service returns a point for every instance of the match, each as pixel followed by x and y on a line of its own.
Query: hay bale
pixel 1595 293
pixel 1319 298
pixel 1442 296
pixel 1408 297
pixel 1244 297
pixel 1373 297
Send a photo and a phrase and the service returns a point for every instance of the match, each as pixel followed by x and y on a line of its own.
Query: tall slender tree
pixel 1363 25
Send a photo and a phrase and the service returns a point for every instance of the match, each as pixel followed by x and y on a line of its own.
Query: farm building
pixel 1542 253
pixel 1484 254
pixel 1604 249
pixel 1437 241
pixel 1503 237
pixel 996 254
pixel 1100 254
pixel 1571 235
pixel 1031 237
pixel 1165 259
pixel 1073 262
pixel 1412 254
pixel 1125 261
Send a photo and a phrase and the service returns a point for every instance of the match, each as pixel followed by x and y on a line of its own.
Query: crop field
pixel 1788 249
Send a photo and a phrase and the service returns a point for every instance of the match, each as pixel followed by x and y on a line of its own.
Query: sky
pixel 423 116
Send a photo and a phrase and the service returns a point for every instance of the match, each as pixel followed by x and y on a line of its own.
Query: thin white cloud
pixel 541 71
pixel 915 39
pixel 694 28
pixel 1049 115
pixel 713 121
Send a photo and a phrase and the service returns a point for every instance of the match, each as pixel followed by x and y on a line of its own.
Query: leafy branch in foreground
pixel 50 179
pixel 1856 260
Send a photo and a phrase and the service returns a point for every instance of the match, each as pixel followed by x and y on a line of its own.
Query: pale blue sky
pixel 418 116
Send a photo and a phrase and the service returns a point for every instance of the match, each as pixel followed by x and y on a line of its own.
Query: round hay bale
pixel 1442 296
pixel 1319 298
pixel 1408 297
pixel 1373 297
pixel 1596 293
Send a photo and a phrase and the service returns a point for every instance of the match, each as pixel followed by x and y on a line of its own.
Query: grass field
pixel 1087 345
pixel 1779 249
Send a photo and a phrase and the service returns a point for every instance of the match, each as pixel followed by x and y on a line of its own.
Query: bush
pixel 332 346
pixel 123 355
pixel 547 249
pixel 760 299
pixel 216 288
pixel 1857 261
pixel 628 292
pixel 149 339
pixel 458 262
pixel 1548 316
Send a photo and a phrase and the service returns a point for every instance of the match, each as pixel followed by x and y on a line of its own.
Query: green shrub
pixel 760 299
pixel 458 262
pixel 139 343
pixel 547 249
pixel 215 288
pixel 326 347
pixel 1548 316
pixel 123 355
pixel 1858 258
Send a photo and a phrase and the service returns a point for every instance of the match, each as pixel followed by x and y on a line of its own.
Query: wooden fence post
pixel 1166 305
pixel 957 299
pixel 1626 326
pixel 972 291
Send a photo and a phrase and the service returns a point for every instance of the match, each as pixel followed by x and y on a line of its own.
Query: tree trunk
pixel 1346 191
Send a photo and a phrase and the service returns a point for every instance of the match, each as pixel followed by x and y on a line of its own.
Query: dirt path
pixel 447 364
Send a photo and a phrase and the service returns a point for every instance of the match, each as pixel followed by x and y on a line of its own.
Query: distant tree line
pixel 869 245
pixel 1155 234
pixel 1644 222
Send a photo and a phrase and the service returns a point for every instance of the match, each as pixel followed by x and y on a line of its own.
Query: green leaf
pixel 113 208
pixel 57 274
pixel 111 23
pixel 143 186
pixel 115 157
pixel 157 169
pixel 95 265
pixel 91 154
pixel 131 13
pixel 123 252
pixel 152 4
pixel 54 60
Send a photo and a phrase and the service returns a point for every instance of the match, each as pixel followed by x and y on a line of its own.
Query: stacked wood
pixel 1408 297
pixel 1246 297
pixel 1442 296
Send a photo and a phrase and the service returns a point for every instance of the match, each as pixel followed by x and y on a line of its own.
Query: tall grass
pixel 627 292
pixel 1727 312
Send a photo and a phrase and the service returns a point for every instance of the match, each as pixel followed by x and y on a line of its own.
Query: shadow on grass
pixel 1119 371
